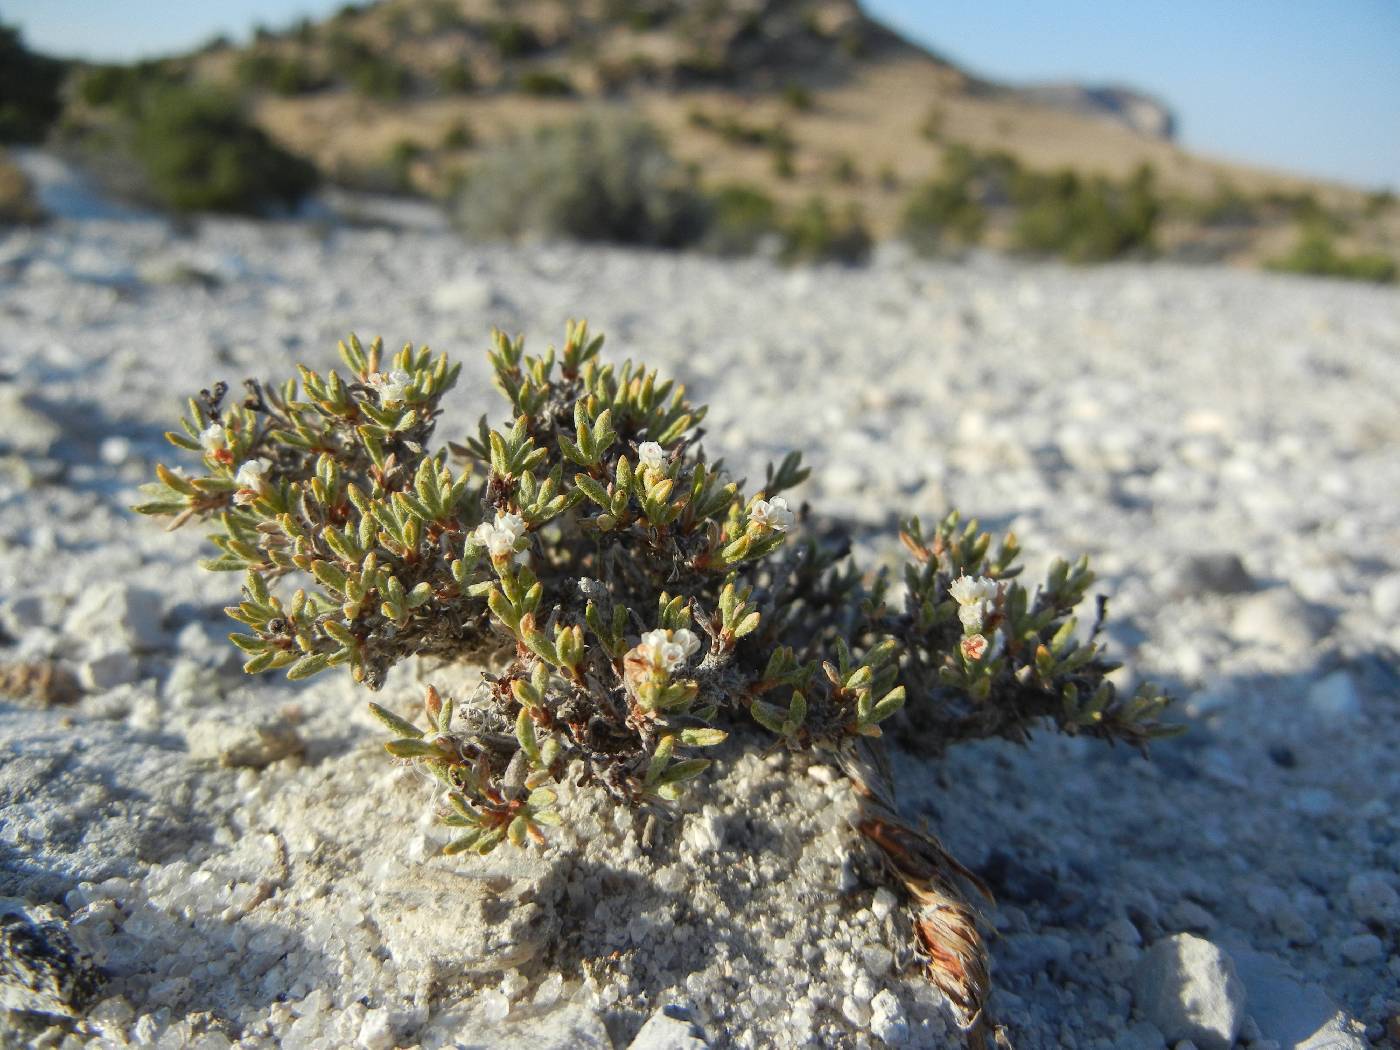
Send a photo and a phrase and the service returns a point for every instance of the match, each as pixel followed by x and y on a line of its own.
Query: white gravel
pixel 248 870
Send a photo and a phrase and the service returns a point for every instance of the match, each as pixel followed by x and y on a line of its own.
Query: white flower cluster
pixel 975 595
pixel 667 651
pixel 772 514
pixel 499 537
pixel 393 387
pixel 251 479
pixel 214 438
pixel 651 455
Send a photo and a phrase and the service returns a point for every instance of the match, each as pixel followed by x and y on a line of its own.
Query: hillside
pixel 798 98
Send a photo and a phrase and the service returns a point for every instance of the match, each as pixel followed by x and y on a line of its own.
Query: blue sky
pixel 1304 85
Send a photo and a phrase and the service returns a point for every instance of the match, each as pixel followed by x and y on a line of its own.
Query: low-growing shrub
pixel 946 212
pixel 365 70
pixel 738 132
pixel 1378 203
pixel 785 159
pixel 844 170
pixel 445 15
pixel 18 204
pixel 601 178
pixel 284 75
pixel 513 39
pixel 798 96
pixel 122 87
pixel 1226 206
pixel 1316 254
pixel 456 78
pixel 380 78
pixel 402 156
pixel 544 83
pixel 813 234
pixel 199 153
pixel 459 135
pixel 740 218
pixel 1085 219
pixel 933 124
pixel 632 604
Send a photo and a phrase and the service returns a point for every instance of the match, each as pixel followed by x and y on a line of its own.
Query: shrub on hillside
pixel 459 135
pixel 402 156
pixel 1316 254
pixel 29 84
pixel 283 75
pixel 1085 219
pixel 1226 206
pixel 199 153
pixel 740 217
pixel 380 78
pixel 456 78
pixel 1378 203
pixel 122 87
pixel 513 39
pixel 543 83
pixel 365 70
pixel 946 212
pixel 601 178
pixel 813 234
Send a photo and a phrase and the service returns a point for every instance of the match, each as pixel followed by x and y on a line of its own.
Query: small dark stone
pixel 41 971
pixel 1283 757
pixel 1217 572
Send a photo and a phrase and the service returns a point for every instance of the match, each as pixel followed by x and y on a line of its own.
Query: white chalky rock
pixel 1277 619
pixel 887 1020
pixel 1188 988
pixel 114 607
pixel 668 1029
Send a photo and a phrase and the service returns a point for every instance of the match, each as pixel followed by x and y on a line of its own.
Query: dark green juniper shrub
pixel 199 153
pixel 29 89
pixel 631 602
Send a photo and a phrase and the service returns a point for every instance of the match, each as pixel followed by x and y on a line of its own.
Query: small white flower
pixel 251 475
pixel 667 650
pixel 499 537
pixel 972 590
pixel 393 388
pixel 214 438
pixel 772 514
pixel 250 480
pixel 513 525
pixel 687 640
pixel 652 455
pixel 972 616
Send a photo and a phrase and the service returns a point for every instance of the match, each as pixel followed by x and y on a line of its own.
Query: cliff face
pixel 1122 105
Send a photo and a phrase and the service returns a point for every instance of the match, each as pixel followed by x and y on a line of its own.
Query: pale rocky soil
pixel 1149 416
